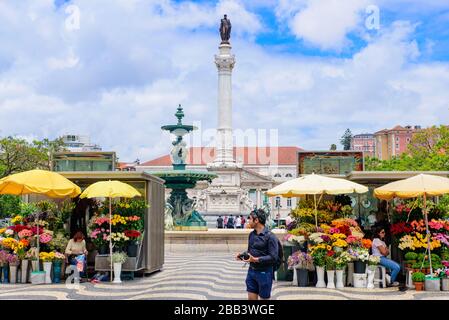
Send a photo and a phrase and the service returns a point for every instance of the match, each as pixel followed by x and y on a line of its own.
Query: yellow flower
pixel 2 230
pixel 328 248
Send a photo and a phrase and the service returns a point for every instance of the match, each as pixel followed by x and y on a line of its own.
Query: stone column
pixel 224 140
pixel 259 200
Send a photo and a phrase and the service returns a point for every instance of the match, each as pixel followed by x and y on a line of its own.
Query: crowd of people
pixel 232 222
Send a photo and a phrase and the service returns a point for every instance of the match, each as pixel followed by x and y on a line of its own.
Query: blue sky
pixel 116 70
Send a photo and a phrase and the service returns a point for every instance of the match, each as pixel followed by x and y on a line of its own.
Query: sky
pixel 305 70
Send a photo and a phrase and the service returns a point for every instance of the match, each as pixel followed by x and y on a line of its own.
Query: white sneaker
pixel 388 279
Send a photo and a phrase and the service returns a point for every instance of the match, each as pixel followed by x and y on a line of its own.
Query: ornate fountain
pixel 181 214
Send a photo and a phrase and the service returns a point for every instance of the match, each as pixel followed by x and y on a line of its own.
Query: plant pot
pixel 419 286
pixel 5 270
pixel 103 249
pixel 24 271
pixel 302 276
pixel 12 274
pixel 330 279
pixel 445 284
pixel 432 284
pixel 370 279
pixel 35 265
pixel 359 266
pixel 57 271
pixel 320 277
pixel 339 275
pixel 359 280
pixel 132 250
pixel 117 272
pixel 47 269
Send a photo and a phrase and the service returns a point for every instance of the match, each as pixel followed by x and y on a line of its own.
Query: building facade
pixel 238 190
pixel 365 142
pixel 393 142
pixel 79 143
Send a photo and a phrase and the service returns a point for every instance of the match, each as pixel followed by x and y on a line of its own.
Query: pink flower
pixel 334 230
pixel 45 238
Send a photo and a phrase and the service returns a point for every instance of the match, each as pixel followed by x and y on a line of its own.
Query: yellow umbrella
pixel 421 185
pixel 315 184
pixel 110 189
pixel 45 182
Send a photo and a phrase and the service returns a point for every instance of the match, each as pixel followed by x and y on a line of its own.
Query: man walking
pixel 262 256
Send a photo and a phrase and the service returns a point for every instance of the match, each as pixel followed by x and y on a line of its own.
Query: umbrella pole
pixel 110 236
pixel 426 219
pixel 316 211
pixel 38 240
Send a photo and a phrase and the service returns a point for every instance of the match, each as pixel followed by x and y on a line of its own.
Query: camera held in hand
pixel 243 256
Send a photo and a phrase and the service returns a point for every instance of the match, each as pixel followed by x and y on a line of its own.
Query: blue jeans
pixel 392 265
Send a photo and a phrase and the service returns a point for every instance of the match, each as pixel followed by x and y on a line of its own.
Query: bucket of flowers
pixel 303 263
pixel 118 258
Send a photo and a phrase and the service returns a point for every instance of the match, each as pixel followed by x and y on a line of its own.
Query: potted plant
pixel 14 262
pixel 118 258
pixel 303 263
pixel 47 259
pixel 418 280
pixel 58 259
pixel 133 243
pixel 432 283
pixel 373 262
pixel 31 255
pixel 319 255
pixel 416 266
pixel 444 275
pixel 330 269
pixel 410 258
pixel 341 261
pixel 4 266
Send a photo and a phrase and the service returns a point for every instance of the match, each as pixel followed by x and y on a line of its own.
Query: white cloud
pixel 120 77
pixel 323 23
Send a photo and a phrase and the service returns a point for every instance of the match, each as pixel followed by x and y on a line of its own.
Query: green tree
pixel 333 147
pixel 346 139
pixel 428 150
pixel 17 155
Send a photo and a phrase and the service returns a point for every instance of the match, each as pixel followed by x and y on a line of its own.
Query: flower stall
pixel 418 225
pixel 35 237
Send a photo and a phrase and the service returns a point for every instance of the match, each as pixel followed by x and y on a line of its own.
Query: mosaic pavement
pixel 200 276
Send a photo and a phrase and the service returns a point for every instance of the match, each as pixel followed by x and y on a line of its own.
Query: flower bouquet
pixel 300 260
pixel 341 260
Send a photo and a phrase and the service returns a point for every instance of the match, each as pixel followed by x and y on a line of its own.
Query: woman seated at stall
pixel 76 252
pixel 380 249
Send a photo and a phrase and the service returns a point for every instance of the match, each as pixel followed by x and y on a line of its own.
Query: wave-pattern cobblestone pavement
pixel 200 276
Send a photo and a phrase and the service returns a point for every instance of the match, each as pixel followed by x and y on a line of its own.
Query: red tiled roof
pixel 398 128
pixel 247 155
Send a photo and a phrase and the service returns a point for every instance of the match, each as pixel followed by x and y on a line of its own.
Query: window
pixel 397 145
pixel 397 139
pixel 289 202
pixel 278 202
pixel 277 175
pixel 288 175
pixel 408 139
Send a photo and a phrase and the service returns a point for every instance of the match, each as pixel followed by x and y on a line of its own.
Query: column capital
pixel 225 63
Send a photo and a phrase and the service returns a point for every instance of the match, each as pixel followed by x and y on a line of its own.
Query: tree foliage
pixel 17 155
pixel 333 147
pixel 428 151
pixel 346 139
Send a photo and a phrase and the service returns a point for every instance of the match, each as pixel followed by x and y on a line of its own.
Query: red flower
pixel 330 253
pixel 19 227
pixel 132 233
pixel 345 230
